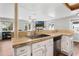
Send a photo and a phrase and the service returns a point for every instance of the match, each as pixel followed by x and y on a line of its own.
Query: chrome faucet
pixel 35 31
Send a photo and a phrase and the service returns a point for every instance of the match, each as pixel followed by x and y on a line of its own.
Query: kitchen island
pixel 24 44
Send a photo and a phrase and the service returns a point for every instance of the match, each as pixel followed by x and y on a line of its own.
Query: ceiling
pixel 39 10
pixel 43 8
pixel 72 6
pixel 47 10
pixel 51 10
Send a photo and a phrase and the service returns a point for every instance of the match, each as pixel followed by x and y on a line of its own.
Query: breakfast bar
pixel 27 41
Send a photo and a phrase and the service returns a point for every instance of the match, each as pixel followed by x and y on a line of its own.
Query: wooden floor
pixel 7 50
pixel 76 49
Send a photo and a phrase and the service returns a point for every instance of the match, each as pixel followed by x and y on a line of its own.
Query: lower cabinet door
pixel 26 49
pixel 49 51
pixel 49 47
pixel 25 54
pixel 38 52
pixel 66 45
pixel 44 48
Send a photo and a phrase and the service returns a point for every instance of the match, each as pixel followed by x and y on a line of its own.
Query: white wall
pixel 62 18
pixel 22 24
pixel 65 22
pixel 38 12
pixel 62 11
pixel 61 24
pixel 7 10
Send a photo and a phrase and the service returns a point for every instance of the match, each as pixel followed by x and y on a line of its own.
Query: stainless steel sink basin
pixel 38 36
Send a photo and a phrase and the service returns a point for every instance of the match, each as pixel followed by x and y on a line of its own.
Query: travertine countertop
pixel 25 40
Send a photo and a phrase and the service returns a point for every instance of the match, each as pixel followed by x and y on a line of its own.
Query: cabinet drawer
pixel 39 52
pixel 25 54
pixel 22 50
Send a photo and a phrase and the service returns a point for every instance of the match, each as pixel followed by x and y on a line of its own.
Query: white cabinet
pixel 23 51
pixel 67 45
pixel 38 52
pixel 44 48
pixel 49 47
pixel 38 49
pixel 25 54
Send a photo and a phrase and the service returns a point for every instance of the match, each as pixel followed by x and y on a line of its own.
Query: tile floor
pixel 7 50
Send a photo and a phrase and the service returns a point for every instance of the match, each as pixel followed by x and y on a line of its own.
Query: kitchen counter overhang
pixel 25 40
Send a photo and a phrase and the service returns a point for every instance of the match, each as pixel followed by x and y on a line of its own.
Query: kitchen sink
pixel 38 36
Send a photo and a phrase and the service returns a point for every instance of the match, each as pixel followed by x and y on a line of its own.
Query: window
pixel 75 26
pixel 6 25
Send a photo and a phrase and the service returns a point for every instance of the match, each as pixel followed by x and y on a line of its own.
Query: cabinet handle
pixel 39 46
pixel 22 50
